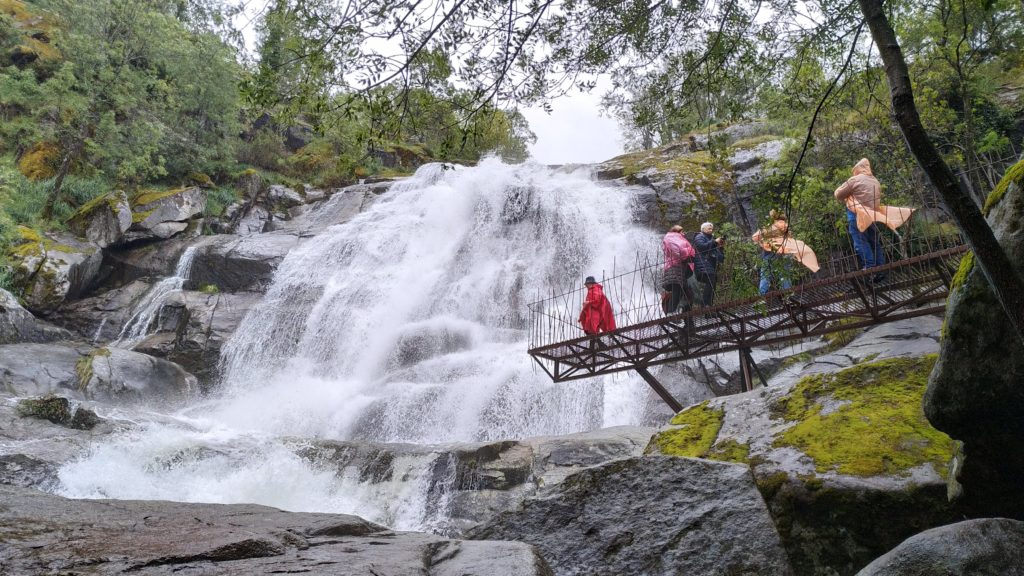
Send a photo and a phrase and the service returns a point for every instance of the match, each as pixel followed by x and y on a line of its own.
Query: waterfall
pixel 406 324
pixel 146 311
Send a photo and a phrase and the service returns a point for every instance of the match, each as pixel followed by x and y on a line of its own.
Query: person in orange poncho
pixel 597 315
pixel 862 195
pixel 776 243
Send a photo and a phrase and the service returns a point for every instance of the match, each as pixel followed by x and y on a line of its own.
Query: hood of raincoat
pixel 863 166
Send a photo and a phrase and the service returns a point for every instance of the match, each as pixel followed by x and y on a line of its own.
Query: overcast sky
pixel 574 131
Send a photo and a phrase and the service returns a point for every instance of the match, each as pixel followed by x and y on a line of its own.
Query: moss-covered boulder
pixel 976 393
pixel 52 268
pixel 846 461
pixel 103 220
pixel 696 179
pixel 160 214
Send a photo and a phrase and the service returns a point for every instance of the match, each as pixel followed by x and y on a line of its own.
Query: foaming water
pixel 405 324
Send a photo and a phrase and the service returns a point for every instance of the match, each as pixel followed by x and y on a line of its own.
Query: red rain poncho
pixel 597 315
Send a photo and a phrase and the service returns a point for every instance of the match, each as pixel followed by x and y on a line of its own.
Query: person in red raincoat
pixel 597 315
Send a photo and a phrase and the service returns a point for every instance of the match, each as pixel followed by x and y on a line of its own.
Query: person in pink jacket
pixel 679 255
pixel 862 195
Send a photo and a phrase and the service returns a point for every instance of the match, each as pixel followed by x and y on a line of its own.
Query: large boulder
pixel 103 220
pixel 846 460
pixel 109 375
pixel 123 265
pixel 649 515
pixel 976 393
pixel 19 325
pixel 43 533
pixel 240 263
pixel 985 547
pixel 52 268
pixel 160 215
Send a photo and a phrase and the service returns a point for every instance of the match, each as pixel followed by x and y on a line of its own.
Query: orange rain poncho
pixel 776 239
pixel 862 195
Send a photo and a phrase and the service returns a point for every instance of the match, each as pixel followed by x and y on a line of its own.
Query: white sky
pixel 574 132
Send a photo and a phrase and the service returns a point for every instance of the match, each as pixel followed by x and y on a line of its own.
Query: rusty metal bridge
pixel 922 259
pixel 848 299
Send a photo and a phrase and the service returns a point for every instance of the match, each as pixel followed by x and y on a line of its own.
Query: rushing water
pixel 405 324
pixel 147 309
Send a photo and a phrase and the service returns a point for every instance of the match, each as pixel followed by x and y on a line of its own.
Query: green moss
pixel 32 243
pixel 769 485
pixel 141 216
pixel 209 289
pixel 876 425
pixel 56 409
pixel 1015 176
pixel 964 270
pixel 111 199
pixel 730 451
pixel 694 432
pixel 83 368
pixel 149 196
pixel 966 265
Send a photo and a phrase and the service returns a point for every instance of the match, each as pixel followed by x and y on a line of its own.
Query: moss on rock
pixel 1015 176
pixel 866 420
pixel 145 197
pixel 693 433
pixel 56 409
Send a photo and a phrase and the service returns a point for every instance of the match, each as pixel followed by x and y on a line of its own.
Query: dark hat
pixel 590 280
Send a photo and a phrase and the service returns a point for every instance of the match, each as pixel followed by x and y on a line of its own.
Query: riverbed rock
pixel 125 264
pixel 241 263
pixel 103 220
pixel 52 268
pixel 109 375
pixel 283 197
pixel 160 215
pixel 976 393
pixel 18 325
pixel 46 534
pixel 649 515
pixel 99 319
pixel 983 547
pixel 192 327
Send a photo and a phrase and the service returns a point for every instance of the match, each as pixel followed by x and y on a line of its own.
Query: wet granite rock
pixel 649 515
pixel 18 325
pixel 43 533
pixel 983 547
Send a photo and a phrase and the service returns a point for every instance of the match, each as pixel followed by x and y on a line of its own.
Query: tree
pixel 990 256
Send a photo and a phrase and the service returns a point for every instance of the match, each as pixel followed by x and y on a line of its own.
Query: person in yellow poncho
pixel 775 243
pixel 862 195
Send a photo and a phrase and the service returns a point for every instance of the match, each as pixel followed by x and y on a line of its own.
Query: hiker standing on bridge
pixel 679 255
pixel 862 195
pixel 778 246
pixel 597 315
pixel 710 253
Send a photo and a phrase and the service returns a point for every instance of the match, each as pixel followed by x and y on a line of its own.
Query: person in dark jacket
pixel 596 315
pixel 710 254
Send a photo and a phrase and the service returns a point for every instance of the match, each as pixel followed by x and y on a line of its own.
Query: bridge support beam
pixel 746 365
pixel 657 387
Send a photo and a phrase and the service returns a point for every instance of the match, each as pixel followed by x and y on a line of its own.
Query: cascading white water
pixel 148 308
pixel 405 324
